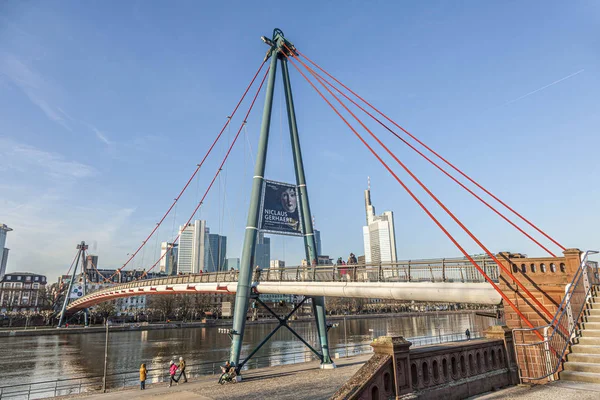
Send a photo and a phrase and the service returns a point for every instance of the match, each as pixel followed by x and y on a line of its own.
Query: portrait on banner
pixel 280 209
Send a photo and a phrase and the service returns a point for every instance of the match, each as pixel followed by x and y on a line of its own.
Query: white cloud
pixel 28 159
pixel 44 94
pixel 37 89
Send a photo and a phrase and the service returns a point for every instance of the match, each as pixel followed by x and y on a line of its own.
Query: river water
pixel 42 358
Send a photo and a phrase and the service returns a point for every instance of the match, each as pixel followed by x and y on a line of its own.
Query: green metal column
pixel 84 270
pixel 69 288
pixel 310 243
pixel 245 276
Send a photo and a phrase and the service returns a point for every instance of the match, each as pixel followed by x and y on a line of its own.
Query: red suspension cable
pixel 216 174
pixel 321 78
pixel 194 174
pixel 487 278
pixel 500 265
pixel 99 273
pixel 61 281
pixel 436 154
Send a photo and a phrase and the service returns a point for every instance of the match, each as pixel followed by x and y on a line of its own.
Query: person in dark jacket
pixel 182 370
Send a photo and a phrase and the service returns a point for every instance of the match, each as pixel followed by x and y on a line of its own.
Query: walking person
pixel 143 373
pixel 468 334
pixel 182 370
pixel 172 371
pixel 257 272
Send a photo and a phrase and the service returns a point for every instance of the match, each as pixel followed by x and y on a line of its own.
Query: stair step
pixel 590 333
pixel 589 341
pixel 583 349
pixel 583 357
pixel 591 318
pixel 582 367
pixel 591 325
pixel 580 376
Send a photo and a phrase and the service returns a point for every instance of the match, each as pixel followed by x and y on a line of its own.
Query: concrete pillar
pixel 504 333
pixel 399 349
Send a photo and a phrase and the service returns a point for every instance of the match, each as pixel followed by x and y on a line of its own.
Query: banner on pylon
pixel 280 209
pixel 76 292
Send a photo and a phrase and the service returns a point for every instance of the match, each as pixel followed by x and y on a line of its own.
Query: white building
pixel 3 251
pixel 379 236
pixel 277 264
pixel 192 244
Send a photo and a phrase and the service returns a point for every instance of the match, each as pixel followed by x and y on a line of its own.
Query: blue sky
pixel 106 108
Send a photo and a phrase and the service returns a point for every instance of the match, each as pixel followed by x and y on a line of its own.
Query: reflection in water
pixel 35 359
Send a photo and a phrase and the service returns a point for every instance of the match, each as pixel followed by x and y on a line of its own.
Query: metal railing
pixel 72 386
pixel 542 359
pixel 434 270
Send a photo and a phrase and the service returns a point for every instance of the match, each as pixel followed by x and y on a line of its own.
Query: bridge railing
pixel 117 381
pixel 542 359
pixel 433 270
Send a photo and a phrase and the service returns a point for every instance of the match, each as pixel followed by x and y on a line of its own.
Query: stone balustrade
pixel 450 371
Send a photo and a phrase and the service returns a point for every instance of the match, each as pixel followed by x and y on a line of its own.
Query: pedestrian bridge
pixel 439 280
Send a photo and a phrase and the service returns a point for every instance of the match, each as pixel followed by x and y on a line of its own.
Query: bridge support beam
pixel 247 262
pixel 245 277
pixel 81 253
pixel 282 323
pixel 310 243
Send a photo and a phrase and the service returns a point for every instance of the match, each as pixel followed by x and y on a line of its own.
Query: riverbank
pixel 303 381
pixel 222 323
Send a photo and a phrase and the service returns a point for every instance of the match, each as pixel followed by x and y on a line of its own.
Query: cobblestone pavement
pixel 560 390
pixel 305 381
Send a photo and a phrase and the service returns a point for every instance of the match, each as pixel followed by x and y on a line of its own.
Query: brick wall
pixel 546 278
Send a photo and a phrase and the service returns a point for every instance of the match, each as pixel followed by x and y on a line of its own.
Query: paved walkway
pixel 560 390
pixel 288 382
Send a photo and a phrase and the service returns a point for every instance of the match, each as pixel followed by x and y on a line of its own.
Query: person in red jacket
pixel 172 371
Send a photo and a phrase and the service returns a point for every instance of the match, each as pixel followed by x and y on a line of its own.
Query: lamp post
pixel 105 358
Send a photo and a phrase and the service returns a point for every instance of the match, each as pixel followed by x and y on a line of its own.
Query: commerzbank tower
pixel 378 235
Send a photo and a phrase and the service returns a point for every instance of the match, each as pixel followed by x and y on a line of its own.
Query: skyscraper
pixel 216 253
pixel 379 236
pixel 318 241
pixel 193 240
pixel 3 251
pixel 262 252
pixel 168 262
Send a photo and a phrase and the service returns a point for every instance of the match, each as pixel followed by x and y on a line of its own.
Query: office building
pixel 379 236
pixel 168 261
pixel 277 264
pixel 216 253
pixel 20 291
pixel 262 251
pixel 318 241
pixel 233 263
pixel 91 262
pixel 3 250
pixel 191 255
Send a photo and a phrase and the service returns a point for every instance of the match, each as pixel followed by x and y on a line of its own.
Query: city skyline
pixel 489 116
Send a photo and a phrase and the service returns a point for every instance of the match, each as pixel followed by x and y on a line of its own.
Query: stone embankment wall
pixel 449 371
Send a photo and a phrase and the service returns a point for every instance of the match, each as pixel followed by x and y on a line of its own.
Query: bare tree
pixel 105 310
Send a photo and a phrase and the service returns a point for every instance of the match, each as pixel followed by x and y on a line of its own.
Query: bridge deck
pixel 442 280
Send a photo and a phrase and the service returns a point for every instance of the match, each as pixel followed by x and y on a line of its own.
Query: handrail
pixel 549 353
pixel 438 270
pixel 77 384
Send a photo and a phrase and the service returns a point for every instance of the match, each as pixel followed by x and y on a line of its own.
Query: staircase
pixel 583 362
